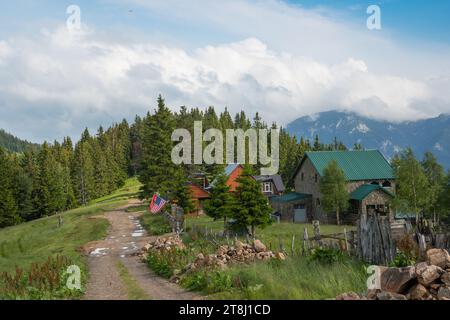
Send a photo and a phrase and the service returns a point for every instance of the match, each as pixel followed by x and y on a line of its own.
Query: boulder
pixel 438 257
pixel 280 256
pixel 418 292
pixel 200 256
pixel 421 267
pixel 445 278
pixel 239 245
pixel 429 275
pixel 385 295
pixel 259 246
pixel 222 250
pixel 348 296
pixel 372 294
pixel 396 280
pixel 444 293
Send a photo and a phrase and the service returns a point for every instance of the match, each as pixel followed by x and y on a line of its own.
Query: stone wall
pixel 309 186
pixel 377 197
pixel 287 209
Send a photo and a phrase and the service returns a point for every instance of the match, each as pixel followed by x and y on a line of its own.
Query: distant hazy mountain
pixel 350 128
pixel 14 144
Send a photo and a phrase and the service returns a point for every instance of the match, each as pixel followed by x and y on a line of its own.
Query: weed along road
pixel 115 270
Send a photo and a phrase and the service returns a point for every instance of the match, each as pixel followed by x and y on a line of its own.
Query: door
pixel 300 214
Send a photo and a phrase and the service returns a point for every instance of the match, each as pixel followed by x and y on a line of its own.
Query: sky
pixel 283 59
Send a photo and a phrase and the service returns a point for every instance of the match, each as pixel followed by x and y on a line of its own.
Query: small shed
pixel 292 207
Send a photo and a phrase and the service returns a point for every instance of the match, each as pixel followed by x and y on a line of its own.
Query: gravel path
pixel 125 237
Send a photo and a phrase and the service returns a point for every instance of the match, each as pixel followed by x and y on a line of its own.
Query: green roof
pixel 293 196
pixel 357 165
pixel 363 191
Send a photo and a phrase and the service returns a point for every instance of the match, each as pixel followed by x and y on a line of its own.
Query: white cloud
pixel 286 62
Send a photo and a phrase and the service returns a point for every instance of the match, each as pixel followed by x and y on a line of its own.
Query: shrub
pixel 402 259
pixel 326 255
pixel 208 281
pixel 43 281
pixel 155 224
pixel 408 247
pixel 165 262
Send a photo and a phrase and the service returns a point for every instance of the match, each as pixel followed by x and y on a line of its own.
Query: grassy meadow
pixel 297 278
pixel 35 241
pixel 272 235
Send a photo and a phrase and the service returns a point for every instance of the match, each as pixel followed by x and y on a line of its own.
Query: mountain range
pixel 431 134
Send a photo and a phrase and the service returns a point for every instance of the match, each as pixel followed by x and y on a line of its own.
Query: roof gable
pixel 363 191
pixel 231 167
pixel 276 179
pixel 357 165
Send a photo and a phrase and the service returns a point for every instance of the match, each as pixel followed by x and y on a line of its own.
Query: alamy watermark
pixel 235 144
pixel 73 22
pixel 74 280
pixel 374 20
pixel 374 280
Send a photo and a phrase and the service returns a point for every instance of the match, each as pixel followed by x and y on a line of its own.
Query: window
pixel 315 178
pixel 267 187
pixel 318 202
pixel 302 176
pixel 387 184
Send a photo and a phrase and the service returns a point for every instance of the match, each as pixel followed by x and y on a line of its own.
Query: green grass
pixel 296 278
pixel 133 290
pixel 35 241
pixel 273 234
pixel 128 191
pixel 156 225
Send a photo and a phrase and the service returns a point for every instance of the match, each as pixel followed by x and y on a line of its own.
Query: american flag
pixel 157 204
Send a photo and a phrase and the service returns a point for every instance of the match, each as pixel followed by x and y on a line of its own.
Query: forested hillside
pixel 14 144
pixel 59 176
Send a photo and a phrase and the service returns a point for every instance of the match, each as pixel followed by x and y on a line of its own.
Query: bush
pixel 165 262
pixel 156 225
pixel 208 281
pixel 43 281
pixel 408 247
pixel 326 255
pixel 402 259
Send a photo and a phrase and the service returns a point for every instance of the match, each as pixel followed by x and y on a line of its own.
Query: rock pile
pixel 428 280
pixel 239 253
pixel 162 244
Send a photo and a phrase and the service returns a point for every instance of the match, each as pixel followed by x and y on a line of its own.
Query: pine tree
pixel 253 208
pixel 50 193
pixel 83 170
pixel 333 188
pixel 157 169
pixel 182 192
pixel 226 122
pixel 8 207
pixel 221 202
pixel 317 145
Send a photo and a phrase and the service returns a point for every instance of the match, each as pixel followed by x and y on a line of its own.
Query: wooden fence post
pixel 305 247
pixel 375 242
pixel 345 239
pixel 293 245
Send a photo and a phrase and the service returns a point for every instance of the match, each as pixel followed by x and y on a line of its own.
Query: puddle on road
pixel 99 252
pixel 137 234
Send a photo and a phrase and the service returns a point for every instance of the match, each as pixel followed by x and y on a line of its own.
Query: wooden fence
pixel 375 242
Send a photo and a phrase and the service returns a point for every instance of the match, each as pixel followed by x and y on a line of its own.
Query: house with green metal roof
pixel 370 184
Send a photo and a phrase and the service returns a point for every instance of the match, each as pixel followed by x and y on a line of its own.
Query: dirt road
pixel 125 237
